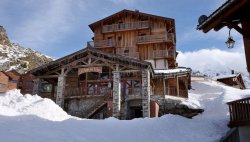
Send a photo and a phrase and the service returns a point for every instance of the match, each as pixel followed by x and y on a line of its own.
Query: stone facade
pixel 116 94
pixel 36 86
pixel 146 93
pixel 60 91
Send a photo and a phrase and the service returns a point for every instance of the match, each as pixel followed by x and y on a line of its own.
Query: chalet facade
pixel 126 72
pixel 234 80
pixel 4 81
pixel 9 80
pixel 26 83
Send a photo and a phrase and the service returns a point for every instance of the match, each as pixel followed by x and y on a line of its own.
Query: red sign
pixel 89 69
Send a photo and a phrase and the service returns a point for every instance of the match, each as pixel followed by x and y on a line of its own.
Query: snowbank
pixel 13 103
pixel 210 126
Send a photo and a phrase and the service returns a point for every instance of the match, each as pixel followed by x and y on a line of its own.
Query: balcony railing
pixel 78 91
pixel 239 112
pixel 101 43
pixel 132 54
pixel 125 26
pixel 164 54
pixel 167 37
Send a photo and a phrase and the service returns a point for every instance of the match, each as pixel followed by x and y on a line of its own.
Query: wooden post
pixel 36 86
pixel 177 86
pixel 164 86
pixel 246 37
pixel 146 93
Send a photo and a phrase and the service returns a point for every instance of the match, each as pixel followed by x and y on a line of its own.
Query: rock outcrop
pixel 14 56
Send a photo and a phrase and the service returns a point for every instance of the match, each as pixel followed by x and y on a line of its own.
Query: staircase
pixel 96 109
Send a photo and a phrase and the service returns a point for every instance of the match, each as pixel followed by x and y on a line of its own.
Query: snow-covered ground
pixel 31 118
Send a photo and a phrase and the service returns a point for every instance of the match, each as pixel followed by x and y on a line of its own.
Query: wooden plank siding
pixel 4 80
pixel 138 36
pixel 239 112
pixel 26 83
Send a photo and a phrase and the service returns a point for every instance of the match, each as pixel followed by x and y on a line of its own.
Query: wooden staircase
pixel 96 109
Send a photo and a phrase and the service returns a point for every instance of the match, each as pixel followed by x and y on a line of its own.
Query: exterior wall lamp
pixel 230 42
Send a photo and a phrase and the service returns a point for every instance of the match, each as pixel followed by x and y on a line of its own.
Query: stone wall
pixel 82 107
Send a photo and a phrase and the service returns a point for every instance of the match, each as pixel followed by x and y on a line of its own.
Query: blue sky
pixel 60 27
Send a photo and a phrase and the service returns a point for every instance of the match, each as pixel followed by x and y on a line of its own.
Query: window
pixel 13 81
pixel 126 52
pixel 109 40
pixel 28 89
pixel 128 87
pixel 137 87
pixel 104 76
pixel 2 85
pixel 46 88
pixel 28 83
pixel 93 76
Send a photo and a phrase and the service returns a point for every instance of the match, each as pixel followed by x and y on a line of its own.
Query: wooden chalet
pixel 234 80
pixel 26 83
pixel 4 82
pixel 126 72
pixel 235 15
pixel 9 80
pixel 14 78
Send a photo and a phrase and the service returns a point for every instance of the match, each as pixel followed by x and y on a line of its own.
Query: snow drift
pixel 13 103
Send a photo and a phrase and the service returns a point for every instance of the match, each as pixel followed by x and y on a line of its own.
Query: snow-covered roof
pixel 169 71
pixel 225 76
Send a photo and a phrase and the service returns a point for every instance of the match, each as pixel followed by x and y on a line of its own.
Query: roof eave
pixel 205 26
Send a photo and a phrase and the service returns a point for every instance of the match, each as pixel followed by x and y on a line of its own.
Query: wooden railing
pixel 104 43
pixel 75 91
pixel 239 112
pixel 125 26
pixel 164 54
pixel 171 91
pixel 130 54
pixel 231 136
pixel 174 92
pixel 167 37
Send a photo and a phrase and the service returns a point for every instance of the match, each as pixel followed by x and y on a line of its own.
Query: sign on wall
pixel 89 69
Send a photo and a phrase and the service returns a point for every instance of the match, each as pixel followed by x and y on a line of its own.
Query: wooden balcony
pixel 163 54
pixel 101 43
pixel 125 26
pixel 132 54
pixel 239 112
pixel 167 37
pixel 78 91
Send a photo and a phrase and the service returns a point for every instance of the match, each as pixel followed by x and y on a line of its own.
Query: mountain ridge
pixel 15 57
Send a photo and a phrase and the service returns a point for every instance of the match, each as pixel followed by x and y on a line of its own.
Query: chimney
pixel 232 71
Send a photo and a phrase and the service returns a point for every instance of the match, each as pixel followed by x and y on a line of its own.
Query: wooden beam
pixel 177 86
pixel 219 19
pixel 91 65
pixel 246 38
pixel 235 26
pixel 164 86
pixel 48 76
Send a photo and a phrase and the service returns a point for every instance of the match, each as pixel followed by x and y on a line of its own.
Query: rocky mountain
pixel 14 56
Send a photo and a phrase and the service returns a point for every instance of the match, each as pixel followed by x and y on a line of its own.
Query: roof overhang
pixel 125 11
pixel 67 60
pixel 228 14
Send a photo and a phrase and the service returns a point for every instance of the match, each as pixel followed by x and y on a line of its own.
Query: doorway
pixel 135 112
